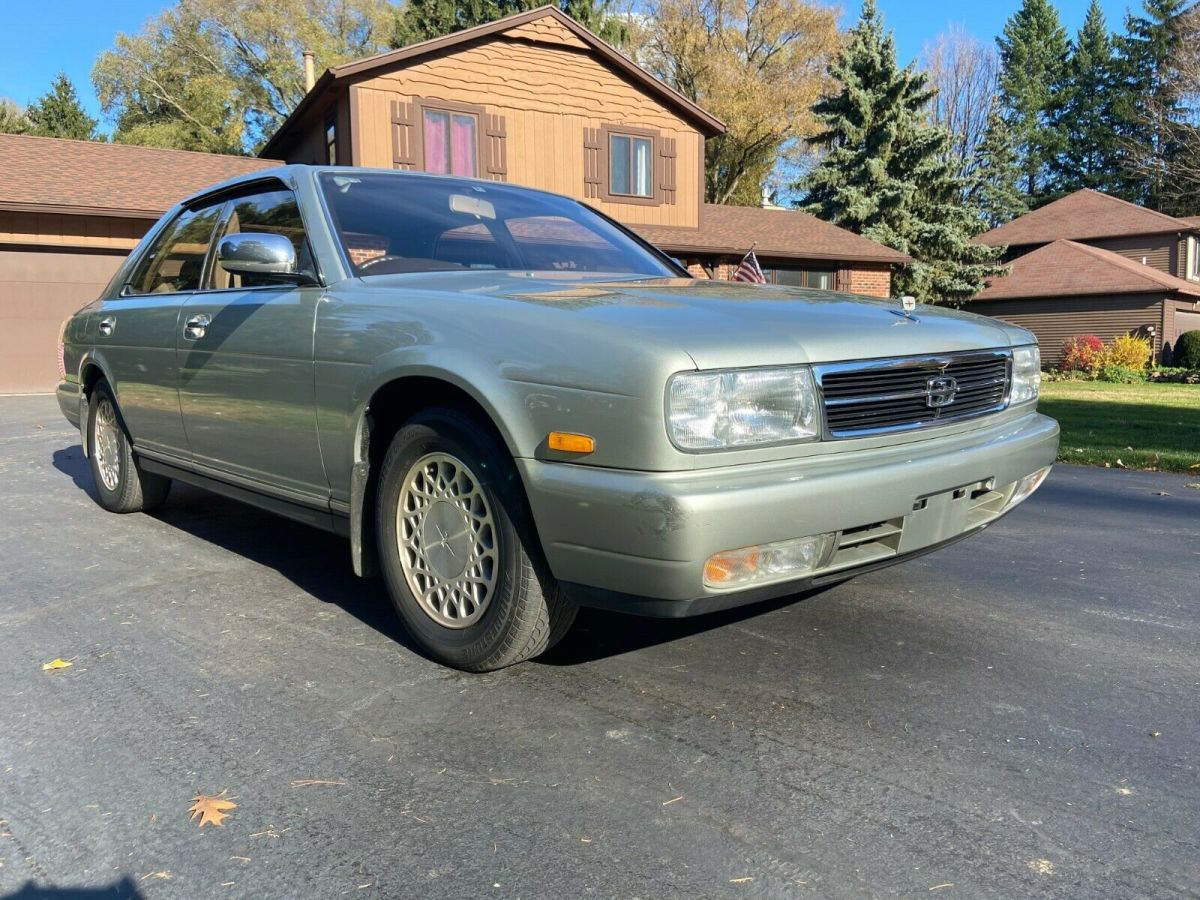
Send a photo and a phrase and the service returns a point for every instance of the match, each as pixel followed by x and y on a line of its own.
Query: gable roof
pixel 1067 268
pixel 513 26
pixel 1083 215
pixel 786 233
pixel 39 174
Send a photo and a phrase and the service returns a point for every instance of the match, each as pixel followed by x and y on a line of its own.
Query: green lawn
pixel 1101 422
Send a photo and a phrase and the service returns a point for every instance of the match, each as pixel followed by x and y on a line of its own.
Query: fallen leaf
pixel 211 809
pixel 1153 459
pixel 1121 465
pixel 56 663
pixel 1194 486
pixel 1124 792
pixel 673 800
pixel 1042 866
pixel 1156 734
pixel 745 880
pixel 938 887
pixel 1161 494
pixel 1196 466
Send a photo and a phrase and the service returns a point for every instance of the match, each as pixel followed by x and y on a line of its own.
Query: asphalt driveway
pixel 1017 715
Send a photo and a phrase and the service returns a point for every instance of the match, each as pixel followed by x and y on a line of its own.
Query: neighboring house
pixel 70 211
pixel 538 100
pixel 1092 264
pixel 534 99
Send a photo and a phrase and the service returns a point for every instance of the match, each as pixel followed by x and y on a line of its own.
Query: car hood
pixel 721 323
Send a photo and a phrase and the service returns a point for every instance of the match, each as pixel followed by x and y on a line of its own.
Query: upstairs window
pixel 331 143
pixel 630 165
pixel 1193 258
pixel 451 141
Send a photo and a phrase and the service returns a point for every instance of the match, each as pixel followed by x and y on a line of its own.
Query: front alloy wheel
pixel 458 549
pixel 447 540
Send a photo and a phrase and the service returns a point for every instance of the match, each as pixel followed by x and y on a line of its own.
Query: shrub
pixel 1122 374
pixel 1126 352
pixel 1187 350
pixel 1081 353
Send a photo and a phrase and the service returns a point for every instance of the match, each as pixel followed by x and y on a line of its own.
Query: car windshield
pixel 391 224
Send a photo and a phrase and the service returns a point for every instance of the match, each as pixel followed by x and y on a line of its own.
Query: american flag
pixel 750 270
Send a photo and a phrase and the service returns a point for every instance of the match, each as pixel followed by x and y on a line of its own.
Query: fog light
pixel 1027 486
pixel 766 562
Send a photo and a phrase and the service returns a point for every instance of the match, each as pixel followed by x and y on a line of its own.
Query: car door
pixel 135 330
pixel 246 361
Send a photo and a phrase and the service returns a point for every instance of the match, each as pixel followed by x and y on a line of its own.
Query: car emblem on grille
pixel 940 391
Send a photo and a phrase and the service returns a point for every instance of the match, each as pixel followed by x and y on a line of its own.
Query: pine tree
pixel 885 172
pixel 995 191
pixel 1084 114
pixel 60 114
pixel 1033 54
pixel 1151 100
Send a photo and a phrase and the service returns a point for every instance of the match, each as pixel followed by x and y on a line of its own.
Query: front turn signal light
pixel 567 442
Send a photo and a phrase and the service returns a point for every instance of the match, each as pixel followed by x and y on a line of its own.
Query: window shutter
pixel 593 174
pixel 495 147
pixel 406 141
pixel 841 280
pixel 666 170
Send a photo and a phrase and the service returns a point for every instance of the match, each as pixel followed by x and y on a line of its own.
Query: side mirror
pixel 258 253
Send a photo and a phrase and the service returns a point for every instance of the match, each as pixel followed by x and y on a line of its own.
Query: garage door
pixel 1186 321
pixel 38 290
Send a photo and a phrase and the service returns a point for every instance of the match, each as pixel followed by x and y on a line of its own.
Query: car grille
pixel 912 392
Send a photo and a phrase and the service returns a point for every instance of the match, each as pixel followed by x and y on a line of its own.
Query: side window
pixel 275 212
pixel 630 165
pixel 175 261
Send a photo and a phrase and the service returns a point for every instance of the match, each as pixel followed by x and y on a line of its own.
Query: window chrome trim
pixel 938 361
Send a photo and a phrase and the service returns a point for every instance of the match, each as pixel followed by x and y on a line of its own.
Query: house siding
pixel 561 93
pixel 1056 319
pixel 1161 251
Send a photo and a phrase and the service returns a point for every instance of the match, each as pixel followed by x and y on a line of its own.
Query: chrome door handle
pixel 107 325
pixel 195 327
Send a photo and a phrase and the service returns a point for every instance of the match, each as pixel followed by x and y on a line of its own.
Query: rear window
pixel 392 224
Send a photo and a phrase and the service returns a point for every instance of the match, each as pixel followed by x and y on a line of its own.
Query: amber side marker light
pixel 571 443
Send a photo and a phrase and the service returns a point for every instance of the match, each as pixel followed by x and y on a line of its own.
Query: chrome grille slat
pixel 879 396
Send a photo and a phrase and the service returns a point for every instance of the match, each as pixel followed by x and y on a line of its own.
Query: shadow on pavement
pixel 319 563
pixel 124 889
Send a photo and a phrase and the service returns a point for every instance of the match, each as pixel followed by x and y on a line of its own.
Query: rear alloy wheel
pixel 458 550
pixel 121 484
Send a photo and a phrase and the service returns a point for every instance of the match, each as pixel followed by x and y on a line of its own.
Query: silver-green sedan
pixel 512 406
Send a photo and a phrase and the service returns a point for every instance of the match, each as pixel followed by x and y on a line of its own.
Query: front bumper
pixel 639 540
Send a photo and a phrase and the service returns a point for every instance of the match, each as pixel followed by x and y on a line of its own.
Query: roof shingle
pixel 1066 269
pixel 1083 215
pixel 785 233
pixel 118 179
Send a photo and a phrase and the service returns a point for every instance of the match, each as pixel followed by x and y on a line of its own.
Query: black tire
pixel 525 611
pixel 127 487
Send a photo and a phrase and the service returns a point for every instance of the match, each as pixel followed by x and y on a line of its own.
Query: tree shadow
pixel 318 563
pixel 125 889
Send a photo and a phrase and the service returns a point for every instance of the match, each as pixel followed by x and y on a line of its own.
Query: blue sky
pixel 44 37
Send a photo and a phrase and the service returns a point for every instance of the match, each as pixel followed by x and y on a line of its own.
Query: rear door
pixel 135 332
pixel 246 362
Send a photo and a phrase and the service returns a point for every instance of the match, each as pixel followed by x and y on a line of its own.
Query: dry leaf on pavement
pixel 57 663
pixel 211 810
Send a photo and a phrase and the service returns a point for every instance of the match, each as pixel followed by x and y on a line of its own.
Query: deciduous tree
pixel 220 75
pixel 962 70
pixel 12 117
pixel 758 65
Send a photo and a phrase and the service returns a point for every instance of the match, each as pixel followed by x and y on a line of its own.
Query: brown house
pixel 534 99
pixel 538 100
pixel 1092 264
pixel 70 211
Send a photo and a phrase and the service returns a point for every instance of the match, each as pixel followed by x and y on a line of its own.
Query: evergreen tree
pixel 422 20
pixel 1033 54
pixel 1151 102
pixel 1085 112
pixel 995 191
pixel 60 114
pixel 885 172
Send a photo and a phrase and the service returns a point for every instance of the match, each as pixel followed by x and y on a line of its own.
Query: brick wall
pixel 874 281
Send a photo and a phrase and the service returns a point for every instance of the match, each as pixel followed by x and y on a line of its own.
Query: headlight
pixel 1026 374
pixel 742 408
